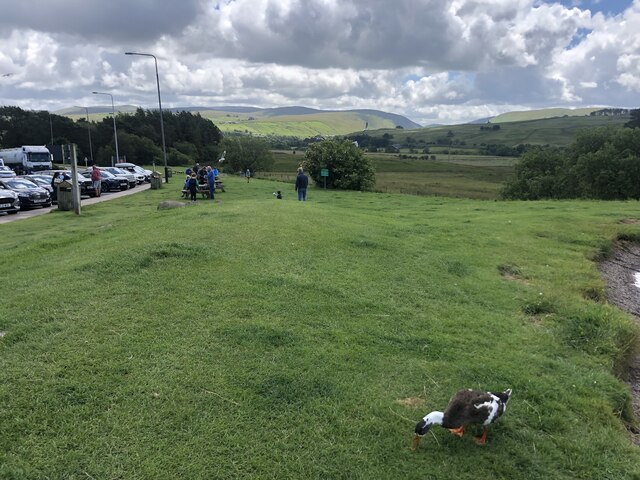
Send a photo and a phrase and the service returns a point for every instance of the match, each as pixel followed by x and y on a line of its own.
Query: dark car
pixel 109 182
pixel 30 194
pixel 9 201
pixel 86 185
pixel 43 181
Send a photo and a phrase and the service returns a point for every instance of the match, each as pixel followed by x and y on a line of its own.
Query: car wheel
pixel 13 212
pixel 104 187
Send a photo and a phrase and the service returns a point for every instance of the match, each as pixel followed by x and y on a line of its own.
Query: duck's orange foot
pixel 458 432
pixel 482 439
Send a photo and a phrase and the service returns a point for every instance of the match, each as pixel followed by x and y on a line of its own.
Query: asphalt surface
pixel 6 218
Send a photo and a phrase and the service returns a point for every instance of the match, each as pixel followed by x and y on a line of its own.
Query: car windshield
pixel 139 170
pixel 20 184
pixel 40 181
pixel 5 169
pixel 106 174
pixel 119 171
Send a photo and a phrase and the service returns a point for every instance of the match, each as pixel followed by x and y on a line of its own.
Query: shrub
pixel 348 168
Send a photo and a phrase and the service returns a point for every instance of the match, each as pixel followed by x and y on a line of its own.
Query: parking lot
pixel 6 218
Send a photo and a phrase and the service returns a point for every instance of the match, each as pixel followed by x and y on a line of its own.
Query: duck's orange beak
pixel 415 442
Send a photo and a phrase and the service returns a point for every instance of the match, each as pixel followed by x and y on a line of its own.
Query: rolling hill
pixel 284 121
pixel 557 131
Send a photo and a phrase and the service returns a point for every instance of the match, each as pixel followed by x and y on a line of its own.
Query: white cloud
pixel 435 61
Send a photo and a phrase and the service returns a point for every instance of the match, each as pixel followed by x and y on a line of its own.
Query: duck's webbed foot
pixel 458 432
pixel 482 439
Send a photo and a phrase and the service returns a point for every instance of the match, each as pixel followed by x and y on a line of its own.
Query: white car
pixel 119 172
pixel 6 172
pixel 142 174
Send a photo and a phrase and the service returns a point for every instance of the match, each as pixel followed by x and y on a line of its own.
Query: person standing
pixel 248 175
pixel 193 187
pixel 302 182
pixel 97 181
pixel 211 183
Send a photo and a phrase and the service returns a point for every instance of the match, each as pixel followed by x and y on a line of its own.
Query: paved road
pixel 6 218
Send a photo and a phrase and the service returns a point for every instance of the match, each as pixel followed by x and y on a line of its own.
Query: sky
pixel 433 61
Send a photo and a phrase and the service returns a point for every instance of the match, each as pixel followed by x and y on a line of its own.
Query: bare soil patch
pixel 413 402
pixel 619 271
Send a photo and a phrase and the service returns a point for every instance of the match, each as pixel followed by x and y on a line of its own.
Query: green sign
pixel 324 172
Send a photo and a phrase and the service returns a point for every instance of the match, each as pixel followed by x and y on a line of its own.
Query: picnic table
pixel 204 190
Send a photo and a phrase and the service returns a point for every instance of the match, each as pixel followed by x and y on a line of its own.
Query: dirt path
pixel 619 273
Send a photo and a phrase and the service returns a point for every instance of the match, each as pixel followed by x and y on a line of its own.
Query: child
pixel 193 187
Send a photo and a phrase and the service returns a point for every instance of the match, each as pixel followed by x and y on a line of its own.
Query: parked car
pixel 6 172
pixel 43 181
pixel 30 194
pixel 139 171
pixel 9 201
pixel 86 185
pixel 109 182
pixel 119 172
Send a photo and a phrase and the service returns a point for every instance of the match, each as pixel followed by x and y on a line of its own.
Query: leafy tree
pixel 602 163
pixel 348 168
pixel 247 152
pixel 635 119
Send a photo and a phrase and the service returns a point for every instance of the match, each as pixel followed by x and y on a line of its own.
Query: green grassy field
pixel 461 176
pixel 263 338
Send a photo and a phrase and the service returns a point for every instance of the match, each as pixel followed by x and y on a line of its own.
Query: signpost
pixel 324 173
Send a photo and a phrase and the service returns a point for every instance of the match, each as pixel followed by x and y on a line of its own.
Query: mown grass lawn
pixel 263 338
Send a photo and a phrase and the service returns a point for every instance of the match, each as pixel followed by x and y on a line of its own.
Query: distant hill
pixel 544 113
pixel 293 121
pixel 557 131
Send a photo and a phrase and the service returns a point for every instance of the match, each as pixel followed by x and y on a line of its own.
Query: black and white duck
pixel 466 407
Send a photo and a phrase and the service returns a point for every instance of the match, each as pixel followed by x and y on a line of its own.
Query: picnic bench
pixel 204 190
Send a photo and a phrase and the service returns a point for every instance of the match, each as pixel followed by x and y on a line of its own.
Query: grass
pixel 463 176
pixel 559 131
pixel 258 338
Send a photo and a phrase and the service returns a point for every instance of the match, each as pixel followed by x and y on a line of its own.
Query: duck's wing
pixel 468 407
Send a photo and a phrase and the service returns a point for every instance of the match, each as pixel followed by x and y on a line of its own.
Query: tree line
pixel 188 137
pixel 602 163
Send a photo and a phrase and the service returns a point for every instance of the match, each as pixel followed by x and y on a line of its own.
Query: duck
pixel 466 407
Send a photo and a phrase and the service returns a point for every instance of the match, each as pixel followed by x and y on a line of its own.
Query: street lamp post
pixel 88 130
pixel 164 148
pixel 51 127
pixel 115 131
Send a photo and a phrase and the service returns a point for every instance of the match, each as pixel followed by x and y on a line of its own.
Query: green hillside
pixel 558 131
pixel 304 125
pixel 287 121
pixel 542 114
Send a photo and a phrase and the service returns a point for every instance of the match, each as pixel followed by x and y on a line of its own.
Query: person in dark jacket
pixel 302 181
pixel 193 187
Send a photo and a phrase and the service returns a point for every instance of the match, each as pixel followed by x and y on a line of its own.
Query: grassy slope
pixel 553 131
pixel 544 113
pixel 256 338
pixel 326 124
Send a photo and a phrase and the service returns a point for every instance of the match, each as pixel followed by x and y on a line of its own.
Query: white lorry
pixel 27 159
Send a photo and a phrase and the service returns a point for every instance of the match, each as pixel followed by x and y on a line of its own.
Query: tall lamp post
pixel 88 130
pixel 51 129
pixel 115 131
pixel 164 148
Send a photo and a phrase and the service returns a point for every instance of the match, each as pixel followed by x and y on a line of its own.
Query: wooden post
pixel 75 189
